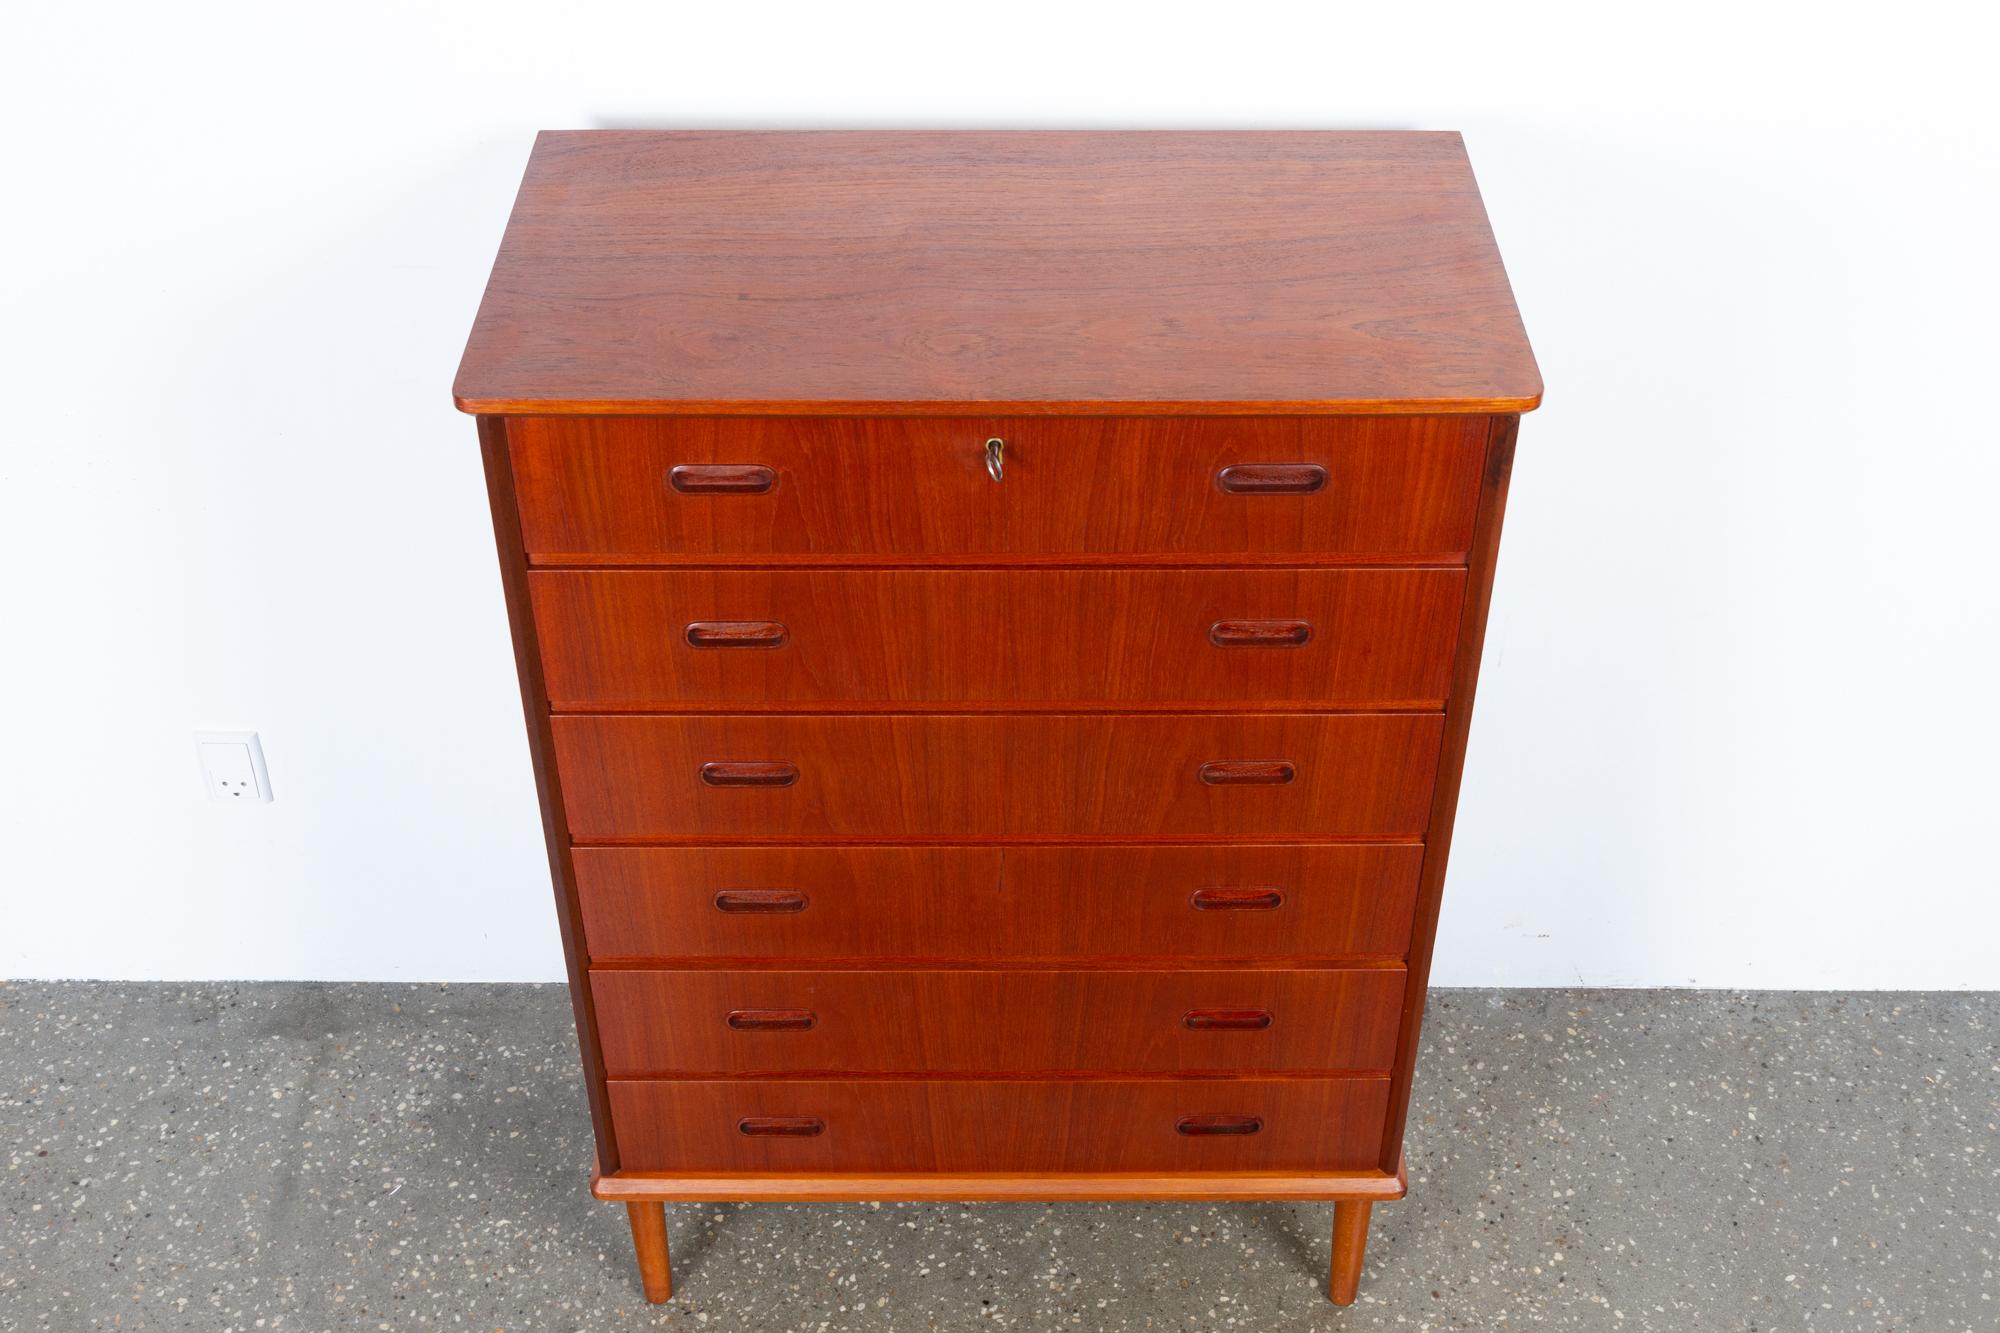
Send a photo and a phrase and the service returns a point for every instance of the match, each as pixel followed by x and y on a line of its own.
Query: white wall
pixel 1737 726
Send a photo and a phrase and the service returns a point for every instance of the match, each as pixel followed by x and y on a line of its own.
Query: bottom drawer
pixel 812 1126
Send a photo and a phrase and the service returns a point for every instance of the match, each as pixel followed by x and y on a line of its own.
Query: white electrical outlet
pixel 232 764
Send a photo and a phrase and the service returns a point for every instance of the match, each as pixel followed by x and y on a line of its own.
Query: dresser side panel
pixel 1450 768
pixel 548 781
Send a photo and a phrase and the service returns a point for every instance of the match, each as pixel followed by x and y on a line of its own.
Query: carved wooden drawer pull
pixel 722 479
pixel 1226 1020
pixel 760 900
pixel 1248 773
pixel 1259 633
pixel 1271 478
pixel 1236 900
pixel 749 775
pixel 781 1126
pixel 772 1020
pixel 736 634
pixel 1200 1125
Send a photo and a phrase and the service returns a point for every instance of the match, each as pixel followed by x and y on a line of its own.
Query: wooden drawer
pixel 951 775
pixel 1328 637
pixel 963 1021
pixel 1227 901
pixel 995 1125
pixel 604 489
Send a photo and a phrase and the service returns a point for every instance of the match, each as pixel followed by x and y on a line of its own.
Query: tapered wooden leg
pixel 649 1238
pixel 1350 1244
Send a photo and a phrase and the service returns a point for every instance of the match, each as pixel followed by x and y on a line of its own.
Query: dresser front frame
pixel 1354 1192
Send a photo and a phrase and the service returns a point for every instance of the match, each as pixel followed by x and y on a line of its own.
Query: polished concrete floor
pixel 306 1157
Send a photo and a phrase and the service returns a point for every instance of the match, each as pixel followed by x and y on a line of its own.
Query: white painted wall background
pixel 1738 721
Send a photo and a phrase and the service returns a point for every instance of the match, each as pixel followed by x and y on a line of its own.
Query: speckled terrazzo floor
pixel 240 1157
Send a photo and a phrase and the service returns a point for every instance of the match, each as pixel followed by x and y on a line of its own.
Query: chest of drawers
pixel 997 616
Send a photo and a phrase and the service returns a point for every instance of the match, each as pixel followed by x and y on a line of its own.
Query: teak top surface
pixel 1025 272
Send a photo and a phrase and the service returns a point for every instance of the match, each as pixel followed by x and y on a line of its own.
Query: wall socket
pixel 232 766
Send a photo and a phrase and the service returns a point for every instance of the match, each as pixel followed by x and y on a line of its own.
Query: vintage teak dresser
pixel 998 617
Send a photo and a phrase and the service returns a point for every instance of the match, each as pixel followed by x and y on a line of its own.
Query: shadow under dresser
pixel 997 615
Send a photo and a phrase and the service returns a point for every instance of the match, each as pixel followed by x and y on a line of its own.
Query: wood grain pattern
pixel 649 1241
pixel 910 1021
pixel 995 1125
pixel 958 776
pixel 876 490
pixel 996 903
pixel 620 639
pixel 650 271
pixel 1350 1246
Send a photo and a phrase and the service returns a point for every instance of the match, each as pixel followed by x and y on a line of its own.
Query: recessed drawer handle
pixel 1271 478
pixel 1226 1020
pixel 1248 773
pixel 1236 900
pixel 722 479
pixel 1260 633
pixel 760 900
pixel 772 1020
pixel 749 775
pixel 1198 1125
pixel 736 634
pixel 781 1126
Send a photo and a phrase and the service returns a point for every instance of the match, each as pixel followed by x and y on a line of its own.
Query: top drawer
pixel 605 490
